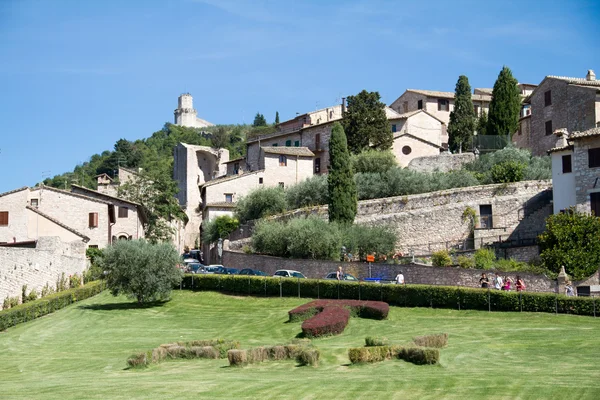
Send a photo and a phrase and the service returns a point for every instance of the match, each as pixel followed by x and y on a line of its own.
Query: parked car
pixel 250 271
pixel 347 277
pixel 226 271
pixel 288 273
pixel 379 280
pixel 211 269
pixel 195 268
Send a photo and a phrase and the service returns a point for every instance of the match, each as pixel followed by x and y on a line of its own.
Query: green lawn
pixel 81 351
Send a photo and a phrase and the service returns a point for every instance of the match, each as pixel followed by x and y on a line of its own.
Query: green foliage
pixel 539 168
pixel 219 227
pixel 366 124
pixel 438 340
pixel 141 270
pixel 482 122
pixel 503 118
pixel 261 131
pixel 74 281
pixel 363 239
pixel 340 181
pixel 310 192
pixel 465 262
pixel 276 117
pixel 419 356
pixel 373 161
pixel 484 258
pixel 259 120
pixel 46 305
pixel 441 258
pixel 260 203
pixel 371 341
pixel 532 167
pixel 95 272
pixel 462 119
pixel 571 239
pixel 469 216
pixel 507 172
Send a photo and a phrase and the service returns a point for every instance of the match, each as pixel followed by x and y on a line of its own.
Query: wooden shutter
pixel 93 220
pixel 3 218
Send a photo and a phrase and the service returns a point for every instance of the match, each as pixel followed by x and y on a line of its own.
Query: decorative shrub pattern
pixel 300 350
pixel 415 355
pixel 438 341
pixel 210 349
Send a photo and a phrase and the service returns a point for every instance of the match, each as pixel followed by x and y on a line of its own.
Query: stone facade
pixel 443 162
pixel 562 103
pixel 413 273
pixel 522 138
pixel 36 267
pixel 186 115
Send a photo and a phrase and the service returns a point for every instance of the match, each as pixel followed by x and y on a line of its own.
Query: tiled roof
pixel 222 204
pixel 481 97
pixel 81 196
pixel 575 81
pixel 561 148
pixel 13 191
pixel 57 222
pixel 289 151
pixel 409 114
pixel 589 133
pixel 419 139
pixel 229 178
pixel 484 90
pixel 391 114
pixel 433 93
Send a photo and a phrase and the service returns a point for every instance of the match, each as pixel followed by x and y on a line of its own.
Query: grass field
pixel 80 352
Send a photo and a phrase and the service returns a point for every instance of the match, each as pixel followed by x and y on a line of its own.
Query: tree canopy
pixel 503 118
pixel 259 120
pixel 340 181
pixel 462 119
pixel 366 124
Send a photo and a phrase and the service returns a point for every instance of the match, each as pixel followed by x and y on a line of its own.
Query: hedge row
pixel 415 355
pixel 46 305
pixel 357 308
pixel 396 295
pixel 210 349
pixel 304 355
pixel 331 321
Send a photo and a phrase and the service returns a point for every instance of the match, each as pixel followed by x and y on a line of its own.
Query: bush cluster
pixel 331 321
pixel 441 258
pixel 371 341
pixel 397 295
pixel 438 341
pixel 315 238
pixel 46 305
pixel 415 355
pixel 209 349
pixel 303 353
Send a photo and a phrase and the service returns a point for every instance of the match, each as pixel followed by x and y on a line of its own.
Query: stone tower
pixel 186 115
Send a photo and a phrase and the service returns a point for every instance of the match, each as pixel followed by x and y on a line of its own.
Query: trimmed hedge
pixel 300 350
pixel 46 305
pixel 208 349
pixel 419 355
pixel 439 340
pixel 415 355
pixel 396 295
pixel 331 321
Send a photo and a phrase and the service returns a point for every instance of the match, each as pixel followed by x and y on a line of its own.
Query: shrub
pixel 32 296
pixel 373 161
pixel 260 203
pixel 465 262
pixel 219 227
pixel 74 281
pixel 484 258
pixel 330 321
pixel 439 340
pixel 308 356
pixel 363 240
pixel 507 172
pixel 141 270
pixel 94 272
pixel 419 356
pixel 310 192
pixel 138 360
pixel 441 258
pixel 62 283
pixel 362 355
pixel 48 290
pixel 237 358
pixel 371 341
pixel 204 352
pixel 312 238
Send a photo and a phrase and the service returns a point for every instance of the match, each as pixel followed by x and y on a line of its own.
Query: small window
pixel 123 211
pixel 93 220
pixel 317 141
pixel 260 181
pixel 548 128
pixel 34 202
pixel 330 114
pixel 443 105
pixel 93 246
pixel 317 165
pixel 274 145
pixel 406 150
pixel 420 105
pixel 288 143
pixel 228 198
pixel 548 98
pixel 283 161
pixel 297 143
pixel 3 218
pixel 405 106
pixel 282 185
pixel 236 168
pixel 566 164
pixel 393 128
pixel 594 157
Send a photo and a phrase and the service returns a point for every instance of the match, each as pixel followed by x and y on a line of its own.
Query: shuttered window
pixel 548 98
pixel 93 220
pixel 3 218
pixel 594 157
pixel 566 164
pixel 123 212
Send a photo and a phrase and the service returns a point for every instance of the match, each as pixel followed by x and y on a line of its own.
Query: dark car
pixel 250 271
pixel 347 277
pixel 195 268
pixel 226 271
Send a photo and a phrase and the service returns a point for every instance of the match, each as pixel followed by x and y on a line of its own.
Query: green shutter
pixel 288 143
pixel 297 143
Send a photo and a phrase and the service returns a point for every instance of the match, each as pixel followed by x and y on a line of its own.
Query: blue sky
pixel 75 76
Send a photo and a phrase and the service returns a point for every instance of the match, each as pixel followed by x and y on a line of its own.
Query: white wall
pixel 563 184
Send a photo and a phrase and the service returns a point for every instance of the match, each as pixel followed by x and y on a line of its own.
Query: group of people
pixel 500 283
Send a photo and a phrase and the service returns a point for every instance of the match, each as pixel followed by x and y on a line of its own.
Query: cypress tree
pixel 340 180
pixel 259 120
pixel 462 119
pixel 276 117
pixel 482 122
pixel 366 123
pixel 503 118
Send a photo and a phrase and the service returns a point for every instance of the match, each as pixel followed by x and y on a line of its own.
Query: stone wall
pixel 35 267
pixel 444 162
pixel 586 178
pixel 413 273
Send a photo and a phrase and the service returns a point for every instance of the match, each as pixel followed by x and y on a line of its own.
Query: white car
pixel 288 273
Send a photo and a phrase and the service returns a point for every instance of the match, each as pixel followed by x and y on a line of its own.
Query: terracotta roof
pixel 589 133
pixel 411 113
pixel 139 207
pixel 561 148
pixel 229 178
pixel 13 191
pixel 105 175
pixel 57 222
pixel 290 151
pixel 222 204
pixel 433 93
pixel 484 90
pixel 575 81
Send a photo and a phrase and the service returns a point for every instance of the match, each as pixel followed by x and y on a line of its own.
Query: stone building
pixel 186 115
pixel 558 102
pixel 417 134
pixel 576 171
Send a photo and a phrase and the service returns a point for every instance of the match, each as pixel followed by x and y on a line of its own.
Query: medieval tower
pixel 186 115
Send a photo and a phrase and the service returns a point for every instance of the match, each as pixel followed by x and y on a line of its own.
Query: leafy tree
pixel 482 123
pixel 219 227
pixel 340 181
pixel 310 192
pixel 373 161
pixel 260 203
pixel 507 172
pixel 141 270
pixel 220 138
pixel 571 239
pixel 503 118
pixel 259 120
pixel 366 123
pixel 462 119
pixel 363 240
pixel 276 117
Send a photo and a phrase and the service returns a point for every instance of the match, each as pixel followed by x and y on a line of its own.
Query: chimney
pixel 591 76
pixel 562 135
pixel 343 106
